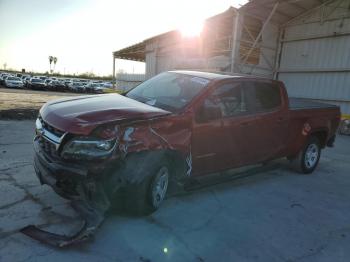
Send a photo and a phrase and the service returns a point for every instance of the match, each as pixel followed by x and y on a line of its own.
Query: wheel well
pixel 177 163
pixel 322 137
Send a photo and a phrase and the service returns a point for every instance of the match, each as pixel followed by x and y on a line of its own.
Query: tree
pixel 50 60
pixel 54 62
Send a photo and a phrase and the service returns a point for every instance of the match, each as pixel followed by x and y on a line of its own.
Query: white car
pixel 108 85
pixel 13 82
pixel 76 87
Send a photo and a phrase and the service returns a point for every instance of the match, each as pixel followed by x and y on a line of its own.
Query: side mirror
pixel 208 111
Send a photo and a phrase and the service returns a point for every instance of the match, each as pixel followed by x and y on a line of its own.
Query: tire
pixel 146 197
pixel 344 128
pixel 307 159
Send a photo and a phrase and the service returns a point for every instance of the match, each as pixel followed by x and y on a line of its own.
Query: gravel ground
pixel 24 104
pixel 277 215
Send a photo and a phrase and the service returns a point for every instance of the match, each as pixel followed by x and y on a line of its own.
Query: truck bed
pixel 303 103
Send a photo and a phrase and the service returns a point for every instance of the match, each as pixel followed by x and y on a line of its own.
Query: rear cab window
pixel 262 96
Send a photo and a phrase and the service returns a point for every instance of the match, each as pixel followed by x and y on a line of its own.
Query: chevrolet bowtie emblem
pixel 39 128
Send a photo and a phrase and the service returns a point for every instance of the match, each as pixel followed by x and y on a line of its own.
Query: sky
pixel 82 34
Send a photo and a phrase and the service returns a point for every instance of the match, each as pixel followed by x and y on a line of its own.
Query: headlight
pixel 85 148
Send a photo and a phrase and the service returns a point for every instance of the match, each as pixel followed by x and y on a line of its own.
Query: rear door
pixel 264 97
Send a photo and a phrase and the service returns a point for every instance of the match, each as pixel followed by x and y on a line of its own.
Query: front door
pixel 239 124
pixel 224 141
pixel 208 140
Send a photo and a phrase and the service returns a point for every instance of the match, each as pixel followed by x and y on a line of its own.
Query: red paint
pixel 81 115
pixel 214 146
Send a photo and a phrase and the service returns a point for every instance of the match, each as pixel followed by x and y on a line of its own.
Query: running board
pixel 228 176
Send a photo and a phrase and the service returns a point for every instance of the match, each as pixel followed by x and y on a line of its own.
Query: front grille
pixel 50 128
pixel 48 147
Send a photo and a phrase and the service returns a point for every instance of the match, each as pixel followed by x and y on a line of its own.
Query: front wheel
pixel 147 196
pixel 307 159
pixel 158 187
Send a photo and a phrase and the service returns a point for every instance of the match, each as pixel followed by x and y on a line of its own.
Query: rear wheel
pixel 344 127
pixel 307 159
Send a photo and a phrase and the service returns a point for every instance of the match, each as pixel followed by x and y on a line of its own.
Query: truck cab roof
pixel 215 75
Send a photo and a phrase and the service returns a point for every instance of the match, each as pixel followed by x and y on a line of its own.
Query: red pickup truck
pixel 176 126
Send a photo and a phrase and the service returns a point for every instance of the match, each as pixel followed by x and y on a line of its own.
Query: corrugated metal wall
pixel 125 82
pixel 315 58
pixel 150 64
pixel 151 61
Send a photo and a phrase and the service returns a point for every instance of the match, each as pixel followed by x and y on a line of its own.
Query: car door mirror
pixel 208 111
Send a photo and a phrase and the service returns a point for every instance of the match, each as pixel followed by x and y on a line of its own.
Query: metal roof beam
pixel 262 19
pixel 261 32
pixel 297 6
pixel 307 12
pixel 276 12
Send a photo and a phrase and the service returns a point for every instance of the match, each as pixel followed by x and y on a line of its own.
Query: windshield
pixel 14 78
pixel 170 91
pixel 37 80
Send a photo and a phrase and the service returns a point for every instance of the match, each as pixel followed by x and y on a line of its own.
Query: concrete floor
pixel 277 215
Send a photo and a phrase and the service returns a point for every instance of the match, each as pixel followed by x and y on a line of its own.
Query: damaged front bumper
pixel 61 176
pixel 92 219
pixel 71 181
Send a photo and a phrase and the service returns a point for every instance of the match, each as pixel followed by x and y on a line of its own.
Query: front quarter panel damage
pixel 144 144
pixel 172 133
pixel 140 146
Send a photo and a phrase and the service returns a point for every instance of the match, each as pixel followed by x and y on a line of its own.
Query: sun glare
pixel 191 29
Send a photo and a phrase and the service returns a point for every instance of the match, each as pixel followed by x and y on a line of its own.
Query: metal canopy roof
pixel 286 10
pixel 135 52
pixel 277 12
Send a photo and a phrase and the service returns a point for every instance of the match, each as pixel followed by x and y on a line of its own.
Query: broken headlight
pixel 85 148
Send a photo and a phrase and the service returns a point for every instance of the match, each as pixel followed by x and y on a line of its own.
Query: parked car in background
pixel 107 85
pixel 56 85
pixel 13 82
pixel 50 85
pixel 25 81
pixel 3 78
pixel 24 77
pixel 42 77
pixel 67 82
pixel 77 87
pixel 36 84
pixel 94 88
pixel 60 86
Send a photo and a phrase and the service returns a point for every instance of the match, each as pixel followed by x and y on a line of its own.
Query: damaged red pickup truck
pixel 176 126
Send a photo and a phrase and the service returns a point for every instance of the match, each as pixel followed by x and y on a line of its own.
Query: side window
pixel 225 101
pixel 229 98
pixel 262 96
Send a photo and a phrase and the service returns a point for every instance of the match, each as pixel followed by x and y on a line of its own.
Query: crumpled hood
pixel 82 114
